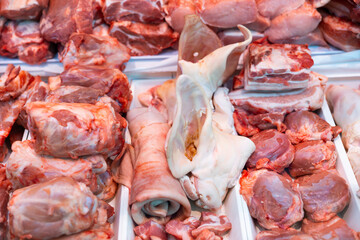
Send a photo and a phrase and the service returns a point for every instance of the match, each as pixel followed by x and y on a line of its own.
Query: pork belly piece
pixel 226 13
pixel 146 11
pixel 23 40
pixel 273 8
pixel 5 187
pixel 310 98
pixel 273 199
pixel 277 67
pixel 91 50
pixel 94 129
pixel 286 25
pixel 288 234
pixel 335 228
pixel 273 151
pixel 63 18
pixel 25 167
pixel 176 10
pixel 324 194
pixel 155 194
pixel 341 33
pixel 144 39
pixel 22 9
pixel 150 230
pixel 349 9
pixel 312 156
pixel 305 126
pixel 315 38
pixel 58 207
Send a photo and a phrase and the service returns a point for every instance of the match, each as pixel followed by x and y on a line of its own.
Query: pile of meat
pixel 58 182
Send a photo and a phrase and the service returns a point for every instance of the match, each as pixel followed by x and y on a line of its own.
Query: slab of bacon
pixel 91 50
pixel 277 67
pixel 94 129
pixel 23 9
pixel 58 207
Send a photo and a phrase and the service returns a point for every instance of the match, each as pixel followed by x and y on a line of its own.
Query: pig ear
pixel 197 40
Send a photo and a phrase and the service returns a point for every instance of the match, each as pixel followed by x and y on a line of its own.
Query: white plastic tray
pixel 352 212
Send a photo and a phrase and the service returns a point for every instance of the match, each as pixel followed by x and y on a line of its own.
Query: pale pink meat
pixel 5 187
pixel 324 195
pixel 315 38
pixel 212 222
pixel 150 230
pixel 182 229
pixel 176 10
pixel 226 13
pixel 143 38
pixel 273 8
pixel 288 234
pixel 260 24
pixel 22 9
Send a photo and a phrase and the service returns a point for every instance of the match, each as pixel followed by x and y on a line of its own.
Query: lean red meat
pixel 22 9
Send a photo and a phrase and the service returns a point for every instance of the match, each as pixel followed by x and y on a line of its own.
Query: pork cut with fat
pixel 182 229
pixel 286 25
pixel 312 156
pixel 260 24
pixel 5 187
pixel 273 8
pixel 273 151
pixel 272 199
pixel 23 39
pixel 63 18
pixel 91 50
pixel 304 126
pixel 319 3
pixel 282 234
pixel 150 230
pixel 176 10
pixel 315 38
pixel 143 39
pixel 226 13
pixel 210 221
pixel 324 194
pixel 22 9
pixel 146 11
pixel 335 228
pixel 54 208
pixel 348 9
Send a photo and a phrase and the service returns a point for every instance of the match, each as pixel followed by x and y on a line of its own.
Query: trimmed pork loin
pixel 274 200
pixel 304 126
pixel 146 11
pixel 288 234
pixel 22 9
pixel 335 228
pixel 324 195
pixel 176 10
pixel 23 40
pixel 142 38
pixel 63 18
pixel 273 151
pixel 226 13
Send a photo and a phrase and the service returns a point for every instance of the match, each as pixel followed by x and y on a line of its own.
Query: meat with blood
pixel 272 199
pixel 305 126
pixel 94 129
pixel 273 151
pixel 23 9
pixel 62 19
pixel 176 10
pixel 283 234
pixel 144 38
pixel 146 11
pixel 312 156
pixel 91 50
pixel 182 229
pixel 335 228
pixel 70 203
pixel 150 230
pixel 324 194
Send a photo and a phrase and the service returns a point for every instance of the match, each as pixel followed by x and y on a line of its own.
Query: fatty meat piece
pixel 150 230
pixel 345 9
pixel 176 10
pixel 273 8
pixel 22 9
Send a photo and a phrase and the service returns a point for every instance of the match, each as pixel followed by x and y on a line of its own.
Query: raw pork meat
pixel 320 3
pixel 210 221
pixel 310 98
pixel 312 156
pixel 273 151
pixel 25 167
pixel 150 230
pixel 282 234
pixel 226 13
pixel 63 18
pixel 349 9
pixel 74 94
pixel 94 129
pixel 5 186
pixel 143 38
pixel 286 25
pixel 273 8
pixel 91 50
pixel 166 198
pixel 304 126
pixel 324 195
pixel 341 33
pixel 58 207
pixel 314 38
pixel 23 40
pixel 277 67
pixel 22 9
pixel 335 228
pixel 182 229
pixel 260 24
pixel 105 80
pixel 176 10
pixel 97 6
pixel 146 11
pixel 273 199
